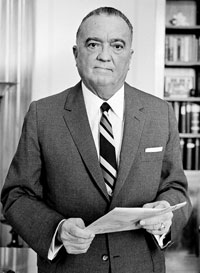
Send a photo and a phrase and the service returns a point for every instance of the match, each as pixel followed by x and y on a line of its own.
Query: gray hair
pixel 108 11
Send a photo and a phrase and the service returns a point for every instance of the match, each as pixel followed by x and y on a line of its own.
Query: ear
pixel 131 54
pixel 75 51
pixel 132 51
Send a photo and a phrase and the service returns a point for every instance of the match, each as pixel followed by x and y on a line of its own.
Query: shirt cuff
pixel 55 246
pixel 161 240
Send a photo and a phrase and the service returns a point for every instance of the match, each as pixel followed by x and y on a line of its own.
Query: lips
pixel 103 68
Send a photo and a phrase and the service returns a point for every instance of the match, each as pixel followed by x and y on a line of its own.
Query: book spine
pixel 183 118
pixel 182 145
pixel 177 110
pixel 195 118
pixel 189 154
pixel 197 93
pixel 197 154
pixel 188 117
pixel 167 48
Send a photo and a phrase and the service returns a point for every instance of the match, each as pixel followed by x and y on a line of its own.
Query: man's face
pixel 103 52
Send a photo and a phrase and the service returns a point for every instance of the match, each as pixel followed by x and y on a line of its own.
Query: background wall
pixel 55 29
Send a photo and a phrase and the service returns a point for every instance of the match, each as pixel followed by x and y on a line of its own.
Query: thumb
pixel 79 223
pixel 151 205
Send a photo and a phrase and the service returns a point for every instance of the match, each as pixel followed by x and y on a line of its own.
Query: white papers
pixel 120 219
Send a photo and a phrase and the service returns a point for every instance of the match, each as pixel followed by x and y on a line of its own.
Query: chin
pixel 104 81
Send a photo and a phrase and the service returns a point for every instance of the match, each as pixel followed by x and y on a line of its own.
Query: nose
pixel 104 55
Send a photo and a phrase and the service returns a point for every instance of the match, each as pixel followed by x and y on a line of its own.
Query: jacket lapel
pixel 75 116
pixel 133 126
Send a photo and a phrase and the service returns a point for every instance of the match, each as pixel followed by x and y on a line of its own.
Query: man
pixel 59 181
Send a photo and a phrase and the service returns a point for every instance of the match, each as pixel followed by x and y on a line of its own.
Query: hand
pixel 160 224
pixel 73 236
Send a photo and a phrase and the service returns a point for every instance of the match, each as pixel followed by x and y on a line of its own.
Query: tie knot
pixel 105 107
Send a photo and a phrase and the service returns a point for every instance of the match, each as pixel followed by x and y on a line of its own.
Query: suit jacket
pixel 55 174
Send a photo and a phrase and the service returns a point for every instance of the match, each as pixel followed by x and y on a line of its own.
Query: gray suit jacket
pixel 55 174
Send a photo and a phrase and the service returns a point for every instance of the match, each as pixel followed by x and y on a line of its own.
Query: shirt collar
pixel 93 102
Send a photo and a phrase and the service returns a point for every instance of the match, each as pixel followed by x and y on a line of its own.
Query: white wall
pixel 55 29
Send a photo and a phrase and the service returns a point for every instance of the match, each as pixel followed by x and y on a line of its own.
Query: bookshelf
pixel 182 75
pixel 182 91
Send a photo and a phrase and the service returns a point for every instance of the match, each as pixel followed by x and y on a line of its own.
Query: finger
pixel 66 237
pixel 157 204
pixel 151 205
pixel 75 227
pixel 156 232
pixel 158 226
pixel 152 227
pixel 80 233
pixel 76 251
pixel 159 229
pixel 74 248
pixel 157 220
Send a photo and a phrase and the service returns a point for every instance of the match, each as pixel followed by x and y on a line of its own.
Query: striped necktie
pixel 107 150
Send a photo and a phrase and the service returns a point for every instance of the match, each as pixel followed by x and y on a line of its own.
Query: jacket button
pixel 105 258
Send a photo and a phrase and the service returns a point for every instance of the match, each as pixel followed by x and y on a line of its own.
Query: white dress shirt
pixel 115 116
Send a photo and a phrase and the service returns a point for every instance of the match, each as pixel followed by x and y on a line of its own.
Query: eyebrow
pixel 99 40
pixel 93 39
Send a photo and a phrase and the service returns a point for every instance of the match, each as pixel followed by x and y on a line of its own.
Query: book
pixel 176 107
pixel 181 48
pixel 121 219
pixel 182 145
pixel 179 82
pixel 188 117
pixel 189 154
pixel 197 91
pixel 182 123
pixel 197 154
pixel 195 118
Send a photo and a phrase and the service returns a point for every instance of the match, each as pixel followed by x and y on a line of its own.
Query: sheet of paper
pixel 121 219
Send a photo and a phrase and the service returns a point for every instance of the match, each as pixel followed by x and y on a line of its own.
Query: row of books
pixel 181 82
pixel 182 48
pixel 190 149
pixel 188 116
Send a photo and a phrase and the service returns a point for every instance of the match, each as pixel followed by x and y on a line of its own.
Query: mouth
pixel 103 68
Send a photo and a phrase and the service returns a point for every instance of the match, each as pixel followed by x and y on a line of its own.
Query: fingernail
pixel 142 222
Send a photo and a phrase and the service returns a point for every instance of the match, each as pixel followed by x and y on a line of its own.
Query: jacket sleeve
pixel 22 195
pixel 173 185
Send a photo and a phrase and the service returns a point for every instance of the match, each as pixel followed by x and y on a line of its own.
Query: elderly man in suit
pixel 98 145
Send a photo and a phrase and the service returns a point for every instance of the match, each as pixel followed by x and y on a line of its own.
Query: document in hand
pixel 121 219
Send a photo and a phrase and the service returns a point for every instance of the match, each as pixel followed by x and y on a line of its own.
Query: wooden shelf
pixel 189 135
pixel 182 64
pixel 187 99
pixel 183 29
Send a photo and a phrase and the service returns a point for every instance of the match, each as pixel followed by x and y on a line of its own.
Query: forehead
pixel 105 26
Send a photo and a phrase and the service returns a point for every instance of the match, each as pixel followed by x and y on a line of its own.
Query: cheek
pixel 122 65
pixel 85 63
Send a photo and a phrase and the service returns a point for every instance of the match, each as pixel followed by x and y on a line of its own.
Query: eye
pixel 118 47
pixel 93 45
